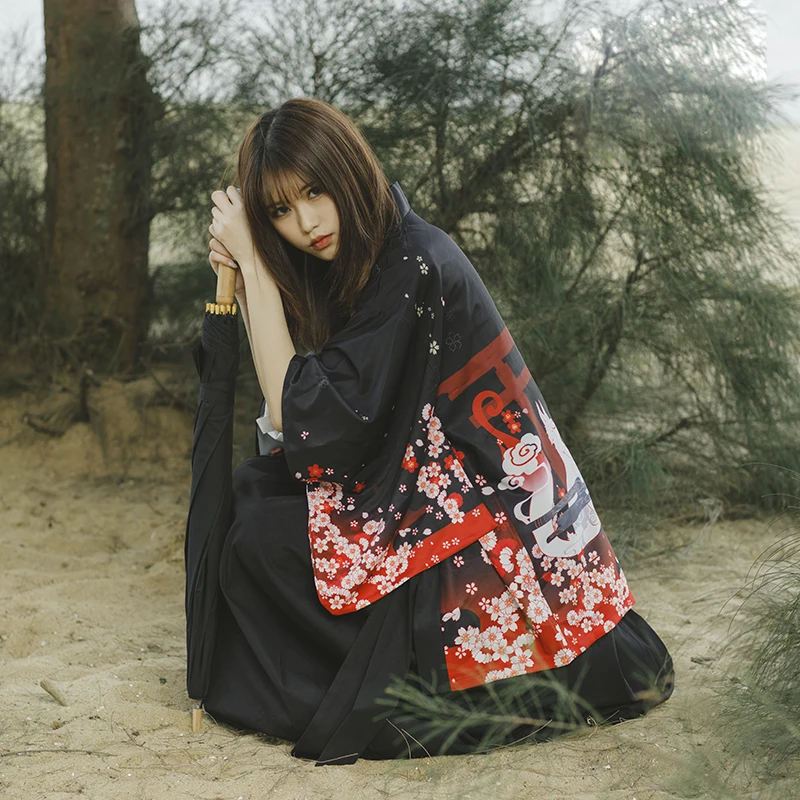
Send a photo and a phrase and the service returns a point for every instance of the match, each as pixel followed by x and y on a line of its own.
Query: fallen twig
pixel 54 691
pixel 54 750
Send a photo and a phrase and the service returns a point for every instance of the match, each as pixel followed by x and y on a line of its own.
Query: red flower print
pixel 409 460
pixel 315 471
pixel 508 416
pixel 458 454
pixel 359 486
pixel 561 492
pixel 514 427
pixel 457 497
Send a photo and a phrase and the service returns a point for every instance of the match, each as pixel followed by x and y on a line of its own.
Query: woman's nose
pixel 307 217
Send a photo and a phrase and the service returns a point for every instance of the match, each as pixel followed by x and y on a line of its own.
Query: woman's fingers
pixel 226 203
pixel 219 258
pixel 219 197
pixel 234 195
pixel 216 259
pixel 216 244
pixel 225 255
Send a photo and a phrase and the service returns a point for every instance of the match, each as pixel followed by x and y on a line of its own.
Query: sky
pixel 783 34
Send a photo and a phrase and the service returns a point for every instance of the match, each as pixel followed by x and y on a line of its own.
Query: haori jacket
pixel 424 440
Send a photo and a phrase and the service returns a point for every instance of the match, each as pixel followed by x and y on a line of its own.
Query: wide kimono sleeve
pixel 337 403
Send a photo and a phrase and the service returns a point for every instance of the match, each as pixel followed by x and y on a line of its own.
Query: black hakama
pixel 285 666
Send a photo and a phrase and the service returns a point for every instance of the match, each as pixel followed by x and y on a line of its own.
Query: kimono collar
pixel 400 199
pixel 404 208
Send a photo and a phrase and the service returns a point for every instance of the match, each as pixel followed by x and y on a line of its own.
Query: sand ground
pixel 91 598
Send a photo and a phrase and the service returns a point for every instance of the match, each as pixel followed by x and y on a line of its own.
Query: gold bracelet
pixel 221 308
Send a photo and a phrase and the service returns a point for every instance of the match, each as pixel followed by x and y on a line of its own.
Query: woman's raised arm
pixel 270 342
pixel 265 320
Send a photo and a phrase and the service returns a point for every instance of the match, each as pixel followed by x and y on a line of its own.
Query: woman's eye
pixel 277 209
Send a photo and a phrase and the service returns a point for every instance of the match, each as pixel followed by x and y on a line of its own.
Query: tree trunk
pixel 99 116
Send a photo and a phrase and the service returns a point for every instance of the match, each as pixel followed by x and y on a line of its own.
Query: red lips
pixel 321 241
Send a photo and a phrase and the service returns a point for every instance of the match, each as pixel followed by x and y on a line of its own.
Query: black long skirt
pixel 285 666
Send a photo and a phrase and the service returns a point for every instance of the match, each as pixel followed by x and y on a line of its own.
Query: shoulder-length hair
pixel 309 139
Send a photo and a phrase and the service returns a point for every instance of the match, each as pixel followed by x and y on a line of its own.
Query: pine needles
pixel 763 714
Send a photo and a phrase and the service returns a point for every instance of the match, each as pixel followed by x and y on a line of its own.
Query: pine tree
pixel 602 172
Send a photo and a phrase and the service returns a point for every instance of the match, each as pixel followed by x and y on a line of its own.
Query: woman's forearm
pixel 244 311
pixel 270 342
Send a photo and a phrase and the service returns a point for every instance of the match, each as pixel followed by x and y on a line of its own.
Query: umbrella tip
pixel 197 718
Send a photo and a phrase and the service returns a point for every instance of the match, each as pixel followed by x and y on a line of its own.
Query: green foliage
pixel 180 292
pixel 515 711
pixel 762 709
pixel 21 221
pixel 602 172
pixel 191 68
pixel 600 169
pixel 21 184
pixel 317 50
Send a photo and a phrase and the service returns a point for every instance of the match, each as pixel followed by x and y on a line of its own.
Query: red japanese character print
pixel 544 584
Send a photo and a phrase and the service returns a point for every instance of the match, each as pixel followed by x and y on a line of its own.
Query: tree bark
pixel 100 112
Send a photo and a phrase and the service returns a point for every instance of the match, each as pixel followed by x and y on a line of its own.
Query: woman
pixel 415 515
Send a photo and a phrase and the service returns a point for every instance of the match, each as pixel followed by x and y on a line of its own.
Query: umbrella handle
pixel 226 284
pixel 226 291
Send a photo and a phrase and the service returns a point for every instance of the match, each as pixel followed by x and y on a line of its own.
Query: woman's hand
pixel 230 226
pixel 220 255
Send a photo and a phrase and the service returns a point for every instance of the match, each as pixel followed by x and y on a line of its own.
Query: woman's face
pixel 309 215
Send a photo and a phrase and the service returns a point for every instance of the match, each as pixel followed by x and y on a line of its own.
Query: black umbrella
pixel 217 360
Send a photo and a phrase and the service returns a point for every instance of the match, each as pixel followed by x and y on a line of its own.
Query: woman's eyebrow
pixel 284 201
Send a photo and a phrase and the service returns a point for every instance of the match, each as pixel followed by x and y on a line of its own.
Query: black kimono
pixel 421 518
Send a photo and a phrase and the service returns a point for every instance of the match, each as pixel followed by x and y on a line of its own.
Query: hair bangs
pixel 284 175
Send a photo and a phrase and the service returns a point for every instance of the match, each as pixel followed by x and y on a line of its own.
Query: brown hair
pixel 309 139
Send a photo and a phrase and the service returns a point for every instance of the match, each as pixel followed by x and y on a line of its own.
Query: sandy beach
pixel 91 599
